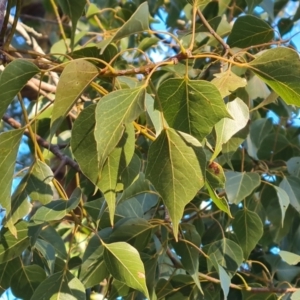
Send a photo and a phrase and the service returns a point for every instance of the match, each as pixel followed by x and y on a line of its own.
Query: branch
pixel 55 149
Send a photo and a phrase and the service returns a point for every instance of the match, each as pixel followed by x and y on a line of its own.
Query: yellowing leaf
pixel 227 82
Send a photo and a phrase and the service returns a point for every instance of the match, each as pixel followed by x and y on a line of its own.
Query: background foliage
pixel 163 157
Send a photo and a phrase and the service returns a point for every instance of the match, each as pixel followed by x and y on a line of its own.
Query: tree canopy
pixel 164 151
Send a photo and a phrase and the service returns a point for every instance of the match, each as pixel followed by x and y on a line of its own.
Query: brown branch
pixel 55 149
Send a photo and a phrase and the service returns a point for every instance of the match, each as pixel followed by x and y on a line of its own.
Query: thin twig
pixel 55 149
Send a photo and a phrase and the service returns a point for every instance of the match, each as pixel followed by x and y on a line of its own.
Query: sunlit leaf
pixel 280 69
pixel 291 185
pixel 284 201
pixel 191 106
pixel 289 257
pixel 112 113
pixel 227 82
pixel 226 128
pixel 75 78
pixel 124 264
pixel 175 165
pixel 224 280
pixel 293 166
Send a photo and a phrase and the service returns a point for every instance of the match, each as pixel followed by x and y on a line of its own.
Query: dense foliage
pixel 164 149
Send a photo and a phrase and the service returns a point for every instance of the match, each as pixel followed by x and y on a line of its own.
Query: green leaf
pixel 191 106
pixel 260 129
pixel 175 168
pixel 154 115
pixel 11 245
pixel 124 264
pixel 73 9
pixel 57 209
pixel 280 69
pixel 240 185
pixel 112 169
pixel 75 78
pixel 227 82
pixel 7 270
pixel 226 128
pixel 284 201
pixel 35 185
pixel 84 145
pixel 295 295
pixel 189 254
pixel 224 280
pixel 93 269
pixel 9 146
pixel 215 175
pixel 47 252
pixel 61 286
pixel 248 228
pixel 289 257
pixel 13 79
pixel 249 31
pixel 291 185
pixel 138 22
pixel 220 202
pixel 50 235
pixel 25 281
pixel 225 253
pixel 293 166
pixel 115 110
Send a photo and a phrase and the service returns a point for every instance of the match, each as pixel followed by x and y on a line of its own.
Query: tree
pixel 155 170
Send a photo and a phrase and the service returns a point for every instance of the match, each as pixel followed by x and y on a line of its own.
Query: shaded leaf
pixel 280 69
pixel 249 31
pixel 284 201
pixel 75 78
pixel 57 209
pixel 61 285
pixel 248 228
pixel 240 185
pixel 47 252
pixel 83 143
pixel 180 176
pixel 25 281
pixel 291 185
pixel 73 9
pixel 112 113
pixel 259 129
pixel 13 79
pixel 191 106
pixel 9 146
pixel 10 246
pixel 293 166
pixel 124 264
pixel 225 253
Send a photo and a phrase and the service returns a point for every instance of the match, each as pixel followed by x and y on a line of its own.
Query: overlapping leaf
pixel 291 185
pixel 175 168
pixel 226 128
pixel 191 106
pixel 113 112
pixel 60 286
pixel 227 82
pixel 9 145
pixel 280 69
pixel 124 264
pixel 77 75
pixel 240 185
